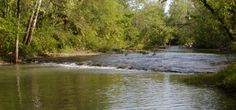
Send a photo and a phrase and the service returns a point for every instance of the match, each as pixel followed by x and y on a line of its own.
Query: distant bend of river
pixel 173 59
pixel 114 82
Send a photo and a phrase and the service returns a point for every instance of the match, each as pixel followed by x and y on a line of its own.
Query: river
pixel 114 82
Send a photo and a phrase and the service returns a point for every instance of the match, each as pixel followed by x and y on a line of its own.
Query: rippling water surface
pixel 174 59
pixel 114 82
pixel 43 87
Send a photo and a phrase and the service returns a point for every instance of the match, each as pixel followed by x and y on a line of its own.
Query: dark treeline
pixel 43 26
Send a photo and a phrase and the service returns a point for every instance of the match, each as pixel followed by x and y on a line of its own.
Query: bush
pixel 7 38
pixel 225 79
pixel 233 47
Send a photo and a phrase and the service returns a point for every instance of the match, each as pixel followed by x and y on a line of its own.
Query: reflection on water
pixel 166 61
pixel 35 87
pixel 173 59
pixel 18 85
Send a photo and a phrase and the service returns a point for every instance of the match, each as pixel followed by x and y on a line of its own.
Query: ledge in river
pixel 81 53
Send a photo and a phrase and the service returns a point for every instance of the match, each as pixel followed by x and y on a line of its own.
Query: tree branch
pixel 220 19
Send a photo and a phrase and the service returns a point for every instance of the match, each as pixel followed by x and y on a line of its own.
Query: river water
pixel 69 86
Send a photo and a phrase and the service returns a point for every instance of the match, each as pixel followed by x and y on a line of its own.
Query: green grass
pixel 225 79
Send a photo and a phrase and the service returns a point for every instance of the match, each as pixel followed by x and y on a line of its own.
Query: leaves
pixel 106 24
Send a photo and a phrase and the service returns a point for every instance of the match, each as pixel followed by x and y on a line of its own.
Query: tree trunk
pixel 29 27
pixel 18 29
pixel 32 23
pixel 220 19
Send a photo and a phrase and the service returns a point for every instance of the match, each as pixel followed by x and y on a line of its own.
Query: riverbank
pixel 3 62
pixel 72 54
pixel 224 79
pixel 61 57
pixel 53 56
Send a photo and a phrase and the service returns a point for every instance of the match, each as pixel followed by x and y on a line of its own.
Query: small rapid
pixel 173 59
pixel 115 82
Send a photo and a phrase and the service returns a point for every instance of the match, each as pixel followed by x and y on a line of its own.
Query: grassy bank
pixel 225 79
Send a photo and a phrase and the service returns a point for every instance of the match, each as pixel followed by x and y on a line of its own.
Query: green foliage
pixel 7 37
pixel 195 24
pixel 180 20
pixel 103 25
pixel 153 31
pixel 225 79
pixel 209 34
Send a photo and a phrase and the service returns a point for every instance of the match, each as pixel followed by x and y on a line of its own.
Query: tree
pixel 32 23
pixel 101 25
pixel 181 21
pixel 227 12
pixel 151 23
pixel 17 34
pixel 195 24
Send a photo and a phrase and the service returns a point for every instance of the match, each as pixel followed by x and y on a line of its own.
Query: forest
pixel 117 54
pixel 36 27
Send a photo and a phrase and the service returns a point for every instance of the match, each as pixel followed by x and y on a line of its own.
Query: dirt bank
pixel 72 54
pixel 3 62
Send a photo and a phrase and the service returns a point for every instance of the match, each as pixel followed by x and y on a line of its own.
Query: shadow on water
pixel 37 87
pixel 173 59
pixel 114 81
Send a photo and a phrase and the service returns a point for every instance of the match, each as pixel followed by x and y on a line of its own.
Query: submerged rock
pixel 178 60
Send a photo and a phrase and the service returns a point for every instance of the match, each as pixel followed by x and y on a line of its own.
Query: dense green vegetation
pixel 203 23
pixel 225 79
pixel 38 27
pixel 101 25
